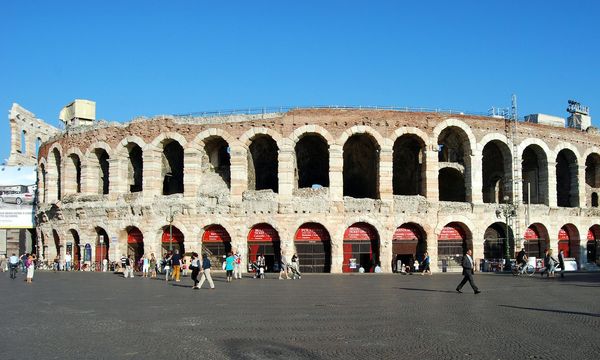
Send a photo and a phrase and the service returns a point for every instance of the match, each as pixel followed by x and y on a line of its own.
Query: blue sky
pixel 163 57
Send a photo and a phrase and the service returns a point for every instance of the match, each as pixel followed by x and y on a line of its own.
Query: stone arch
pixel 179 240
pixel 266 241
pixel 409 163
pixel 496 170
pixel 248 136
pixel 97 159
pixel 567 177
pixel 569 239
pixel 437 131
pixel 312 241
pixel 454 239
pixel 361 156
pixel 362 242
pixel 363 129
pixel 73 167
pixel 536 240
pixel 409 130
pixel 54 170
pixel 455 144
pixel 409 244
pixel 158 141
pixel 42 174
pixel 263 162
pixel 497 244
pixel 208 133
pixel 311 160
pixel 298 133
pixel 534 170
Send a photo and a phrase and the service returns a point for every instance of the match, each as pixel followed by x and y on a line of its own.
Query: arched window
pixel 263 165
pixel 409 166
pixel 312 161
pixel 135 167
pixel 361 167
pixel 172 167
pixel 219 158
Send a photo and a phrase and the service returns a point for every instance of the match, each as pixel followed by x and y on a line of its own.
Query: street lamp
pixel 508 211
pixel 170 218
pixel 101 240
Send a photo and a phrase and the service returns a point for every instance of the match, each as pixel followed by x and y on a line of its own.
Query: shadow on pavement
pixel 246 349
pixel 551 310
pixel 428 290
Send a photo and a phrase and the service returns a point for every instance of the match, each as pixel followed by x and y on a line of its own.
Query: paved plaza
pixel 102 315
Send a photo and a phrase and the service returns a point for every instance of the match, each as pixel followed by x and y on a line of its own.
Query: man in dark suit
pixel 468 265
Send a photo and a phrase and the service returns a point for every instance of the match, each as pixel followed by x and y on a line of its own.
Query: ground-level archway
pixel 135 243
pixel 172 239
pixel 216 243
pixel 568 241
pixel 498 245
pixel 361 248
pixel 536 241
pixel 313 247
pixel 264 239
pixel 593 245
pixel 408 244
pixel 453 242
pixel 102 246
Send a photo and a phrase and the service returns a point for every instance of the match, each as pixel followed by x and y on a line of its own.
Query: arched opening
pixel 535 175
pixel 313 247
pixel 312 162
pixel 594 199
pixel 536 241
pixel 361 248
pixel 57 244
pixel 44 188
pixel 409 243
pixel 216 243
pixel 567 184
pixel 55 184
pixel 451 185
pixel 593 245
pixel 172 167
pixel 38 143
pixel 592 177
pixel 263 164
pixel 102 244
pixel 497 246
pixel 568 241
pixel 23 149
pixel 453 242
pixel 264 239
pixel 361 167
pixel 73 174
pixel 172 239
pixel 135 243
pixel 219 158
pixel 454 153
pixel 135 168
pixel 497 174
pixel 408 166
pixel 101 174
pixel 73 246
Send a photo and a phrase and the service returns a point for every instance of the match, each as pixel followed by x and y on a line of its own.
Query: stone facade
pixel 431 173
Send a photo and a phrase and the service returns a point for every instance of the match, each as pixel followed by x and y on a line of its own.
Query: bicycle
pixel 13 271
pixel 517 270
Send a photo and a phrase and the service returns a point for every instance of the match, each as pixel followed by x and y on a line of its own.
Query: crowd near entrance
pixel 313 247
pixel 216 243
pixel 361 248
pixel 408 245
pixel 172 240
pixel 264 239
pixel 135 243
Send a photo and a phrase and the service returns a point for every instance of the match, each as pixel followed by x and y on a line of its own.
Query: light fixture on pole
pixel 507 210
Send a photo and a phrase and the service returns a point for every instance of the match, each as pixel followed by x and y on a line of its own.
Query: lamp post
pixel 101 240
pixel 170 220
pixel 507 210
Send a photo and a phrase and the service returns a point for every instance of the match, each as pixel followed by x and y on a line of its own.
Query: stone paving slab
pixel 375 316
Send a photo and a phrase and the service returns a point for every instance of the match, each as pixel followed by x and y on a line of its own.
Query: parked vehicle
pixel 17 198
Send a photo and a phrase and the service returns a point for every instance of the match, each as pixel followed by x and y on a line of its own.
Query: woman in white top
pixel 145 266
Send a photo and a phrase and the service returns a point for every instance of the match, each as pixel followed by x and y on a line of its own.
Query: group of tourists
pixel 26 262
pixel 550 263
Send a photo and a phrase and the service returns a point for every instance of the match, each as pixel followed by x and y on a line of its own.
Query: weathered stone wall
pixel 207 200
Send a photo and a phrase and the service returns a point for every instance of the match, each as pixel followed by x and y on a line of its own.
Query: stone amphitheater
pixel 343 188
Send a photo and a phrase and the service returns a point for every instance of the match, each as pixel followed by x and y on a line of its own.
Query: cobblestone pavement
pixel 93 315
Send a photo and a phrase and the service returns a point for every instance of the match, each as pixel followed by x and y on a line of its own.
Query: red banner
pixel 452 232
pixel 263 232
pixel 531 234
pixel 563 235
pixel 311 232
pixel 406 233
pixel 134 236
pixel 360 231
pixel 177 235
pixel 215 233
pixel 590 235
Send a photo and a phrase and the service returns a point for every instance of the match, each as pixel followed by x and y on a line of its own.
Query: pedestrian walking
pixel 237 265
pixel 551 264
pixel 195 267
pixel 30 264
pixel 468 270
pixel 68 259
pixel 123 262
pixel 153 265
pixel 546 268
pixel 3 263
pixel 561 263
pixel 261 265
pixel 295 267
pixel 129 263
pixel 229 264
pixel 145 266
pixel 167 265
pixel 283 267
pixel 206 272
pixel 176 263
pixel 426 264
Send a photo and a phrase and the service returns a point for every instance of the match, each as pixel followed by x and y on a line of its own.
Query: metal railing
pixel 284 109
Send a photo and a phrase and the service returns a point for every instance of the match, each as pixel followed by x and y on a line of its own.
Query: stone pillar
pixel 239 172
pixel 87 186
pixel 285 174
pixel 336 175
pixel 192 173
pixel 474 178
pixel 432 250
pixel 118 172
pixel 385 254
pixel 551 188
pixel 431 176
pixel 386 170
pixel 152 175
pixel 477 246
pixel 580 178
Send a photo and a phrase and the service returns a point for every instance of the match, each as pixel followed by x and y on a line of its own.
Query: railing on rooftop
pixel 284 109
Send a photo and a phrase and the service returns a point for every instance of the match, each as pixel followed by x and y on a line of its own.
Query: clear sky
pixel 170 57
